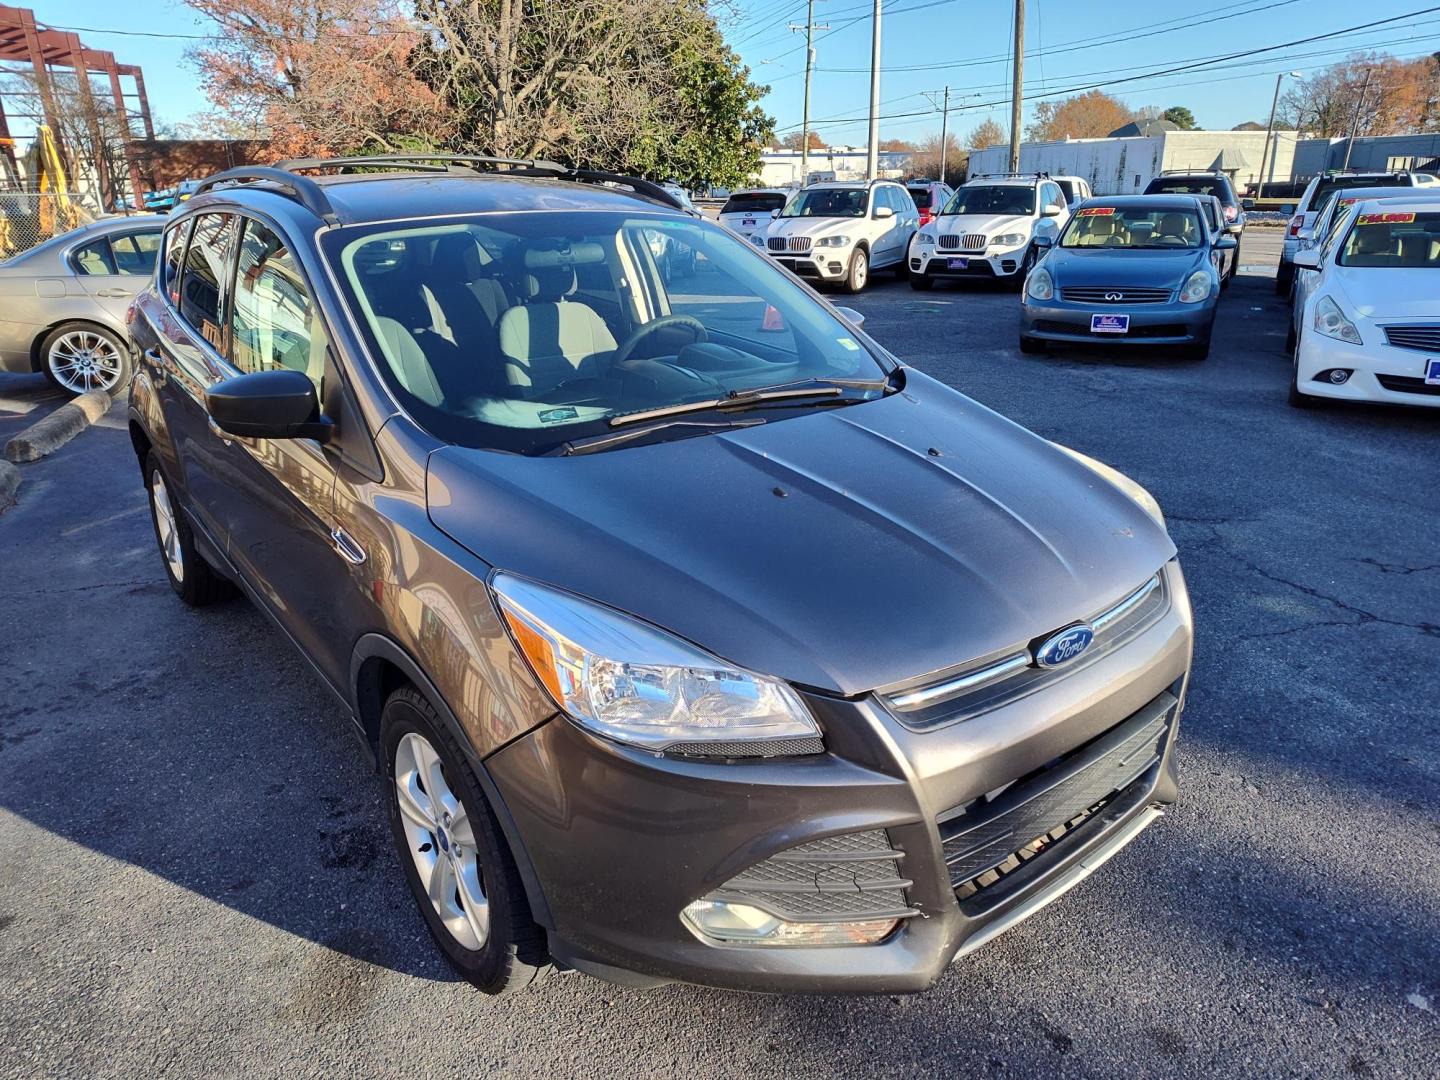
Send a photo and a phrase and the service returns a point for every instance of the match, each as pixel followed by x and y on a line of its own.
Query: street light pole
pixel 1270 132
pixel 1018 78
pixel 1355 123
pixel 872 157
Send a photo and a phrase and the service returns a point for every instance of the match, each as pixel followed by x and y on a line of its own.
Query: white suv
pixel 988 230
pixel 839 232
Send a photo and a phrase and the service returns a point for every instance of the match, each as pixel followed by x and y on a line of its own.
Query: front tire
pixel 921 282
pixel 79 357
pixel 194 580
pixel 1033 346
pixel 1299 399
pixel 455 858
pixel 1284 278
pixel 1028 264
pixel 859 272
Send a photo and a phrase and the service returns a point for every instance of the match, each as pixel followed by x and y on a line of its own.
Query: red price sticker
pixel 1095 211
pixel 1386 219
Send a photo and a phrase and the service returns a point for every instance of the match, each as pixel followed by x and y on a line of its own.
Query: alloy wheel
pixel 441 841
pixel 84 360
pixel 167 527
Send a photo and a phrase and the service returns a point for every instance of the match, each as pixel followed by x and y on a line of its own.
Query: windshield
pixel 522 331
pixel 1394 238
pixel 829 202
pixel 1117 227
pixel 1325 188
pixel 1010 199
pixel 761 202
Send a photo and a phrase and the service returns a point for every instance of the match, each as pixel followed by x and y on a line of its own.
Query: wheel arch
pixel 37 360
pixel 378 667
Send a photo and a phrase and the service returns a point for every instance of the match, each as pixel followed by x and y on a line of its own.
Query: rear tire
pixel 194 580
pixel 479 887
pixel 79 357
pixel 858 274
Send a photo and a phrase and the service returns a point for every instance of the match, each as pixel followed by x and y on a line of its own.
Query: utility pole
pixel 1018 79
pixel 944 134
pixel 872 156
pixel 1355 123
pixel 809 29
pixel 1270 133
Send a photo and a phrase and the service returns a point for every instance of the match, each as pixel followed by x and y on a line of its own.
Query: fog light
pixel 914 264
pixel 1338 375
pixel 719 922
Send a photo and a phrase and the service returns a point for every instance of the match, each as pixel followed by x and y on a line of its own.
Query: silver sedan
pixel 62 303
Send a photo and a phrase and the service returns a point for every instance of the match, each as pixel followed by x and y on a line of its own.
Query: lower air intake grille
pixel 851 877
pixel 762 748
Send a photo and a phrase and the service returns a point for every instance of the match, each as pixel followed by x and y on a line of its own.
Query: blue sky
pixel 1069 43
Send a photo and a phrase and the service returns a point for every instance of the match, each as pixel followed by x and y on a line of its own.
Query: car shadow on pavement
pixel 24 399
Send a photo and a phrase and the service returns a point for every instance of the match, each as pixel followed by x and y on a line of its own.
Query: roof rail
pixel 304 190
pixel 1012 175
pixel 1191 172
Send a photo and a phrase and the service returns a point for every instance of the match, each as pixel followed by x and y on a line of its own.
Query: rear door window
pixel 921 195
pixel 273 322
pixel 135 252
pixel 94 258
pixel 207 259
pixel 174 251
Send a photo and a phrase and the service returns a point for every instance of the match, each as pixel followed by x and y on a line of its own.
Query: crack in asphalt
pixel 75 588
pixel 1397 568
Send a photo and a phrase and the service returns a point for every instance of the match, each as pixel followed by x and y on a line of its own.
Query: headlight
pixel 758 239
pixel 1196 288
pixel 1331 321
pixel 636 684
pixel 1120 480
pixel 925 239
pixel 1041 285
pixel 1009 239
pixel 832 241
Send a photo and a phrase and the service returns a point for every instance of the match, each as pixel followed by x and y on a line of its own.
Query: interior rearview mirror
pixel 884 212
pixel 279 404
pixel 852 316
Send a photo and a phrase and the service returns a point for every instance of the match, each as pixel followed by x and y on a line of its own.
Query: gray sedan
pixel 62 303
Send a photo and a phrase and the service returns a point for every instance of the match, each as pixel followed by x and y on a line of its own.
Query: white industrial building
pixel 1125 165
pixel 781 168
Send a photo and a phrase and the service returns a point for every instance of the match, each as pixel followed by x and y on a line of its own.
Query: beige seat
pixel 550 338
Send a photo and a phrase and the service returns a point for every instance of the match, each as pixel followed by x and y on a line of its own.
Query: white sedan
pixel 1370 326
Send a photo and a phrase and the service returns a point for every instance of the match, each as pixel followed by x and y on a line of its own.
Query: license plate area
pixel 1109 323
pixel 1432 372
pixel 957 264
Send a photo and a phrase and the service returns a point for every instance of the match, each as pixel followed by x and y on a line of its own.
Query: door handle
pixel 156 363
pixel 348 547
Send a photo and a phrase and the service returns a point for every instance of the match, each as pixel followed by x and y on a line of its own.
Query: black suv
pixel 1207 183
pixel 696 636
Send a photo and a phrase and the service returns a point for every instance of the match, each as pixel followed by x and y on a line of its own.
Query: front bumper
pixel 942 265
pixel 826 264
pixel 1379 372
pixel 621 840
pixel 1170 323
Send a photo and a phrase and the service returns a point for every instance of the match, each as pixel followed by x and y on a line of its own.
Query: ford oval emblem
pixel 1064 646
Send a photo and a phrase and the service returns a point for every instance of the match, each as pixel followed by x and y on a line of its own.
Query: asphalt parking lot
pixel 197 878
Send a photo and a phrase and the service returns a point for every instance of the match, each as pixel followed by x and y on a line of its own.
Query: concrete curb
pixel 9 482
pixel 54 431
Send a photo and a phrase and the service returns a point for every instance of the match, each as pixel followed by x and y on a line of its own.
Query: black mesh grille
pixel 767 748
pixel 852 876
pixel 1407 384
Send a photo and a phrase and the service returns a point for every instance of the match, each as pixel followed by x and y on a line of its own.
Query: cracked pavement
pixel 197 878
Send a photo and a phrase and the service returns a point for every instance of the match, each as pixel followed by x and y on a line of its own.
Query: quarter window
pixel 132 253
pixel 206 259
pixel 273 321
pixel 174 250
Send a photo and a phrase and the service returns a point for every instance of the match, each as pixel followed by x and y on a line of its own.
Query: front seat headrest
pixel 550 272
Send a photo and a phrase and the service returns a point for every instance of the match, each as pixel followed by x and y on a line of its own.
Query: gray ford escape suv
pixel 697 637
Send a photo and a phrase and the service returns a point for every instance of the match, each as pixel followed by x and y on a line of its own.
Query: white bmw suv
pixel 988 230
pixel 839 232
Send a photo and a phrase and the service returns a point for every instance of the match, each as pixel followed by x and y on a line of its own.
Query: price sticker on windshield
pixel 1095 211
pixel 1386 219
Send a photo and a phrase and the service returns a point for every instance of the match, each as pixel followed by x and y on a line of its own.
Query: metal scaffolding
pixel 38 52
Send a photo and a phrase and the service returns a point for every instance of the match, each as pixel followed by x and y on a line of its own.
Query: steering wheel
pixel 640 333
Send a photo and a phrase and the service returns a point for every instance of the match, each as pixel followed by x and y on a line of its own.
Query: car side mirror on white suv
pixel 884 212
pixel 1309 259
pixel 1053 210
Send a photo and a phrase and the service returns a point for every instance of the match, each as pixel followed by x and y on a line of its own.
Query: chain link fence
pixel 28 218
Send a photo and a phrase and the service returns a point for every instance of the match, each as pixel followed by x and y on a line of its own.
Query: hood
pixel 1387 292
pixel 832 549
pixel 1109 266
pixel 989 224
pixel 812 226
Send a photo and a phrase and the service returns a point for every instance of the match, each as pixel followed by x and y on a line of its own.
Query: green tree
pixel 639 86
pixel 1180 116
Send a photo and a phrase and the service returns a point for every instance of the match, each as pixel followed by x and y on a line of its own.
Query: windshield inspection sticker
pixel 1385 219
pixel 846 343
pixel 556 416
pixel 1095 211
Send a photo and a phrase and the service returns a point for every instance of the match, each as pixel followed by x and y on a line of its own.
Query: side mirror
pixel 279 404
pixel 1309 259
pixel 1043 241
pixel 1053 210
pixel 775 213
pixel 1247 204
pixel 853 317
pixel 883 212
pixel 1226 242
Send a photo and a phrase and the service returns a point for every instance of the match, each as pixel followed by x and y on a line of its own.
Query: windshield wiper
pixel 800 388
pixel 596 443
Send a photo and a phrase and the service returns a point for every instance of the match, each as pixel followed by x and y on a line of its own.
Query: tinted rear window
pixel 921 195
pixel 757 204
pixel 1190 185
pixel 1339 183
